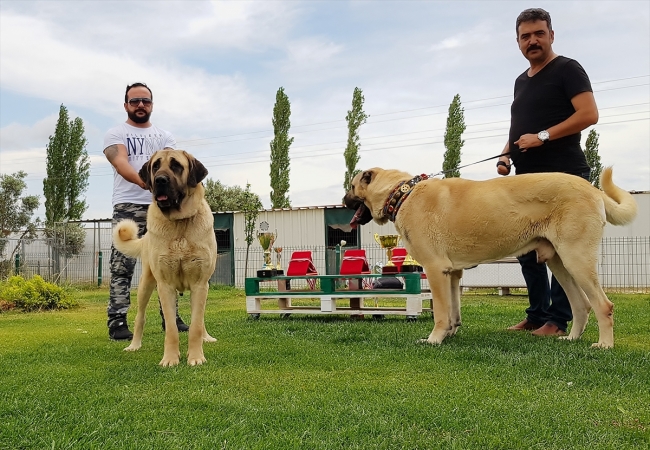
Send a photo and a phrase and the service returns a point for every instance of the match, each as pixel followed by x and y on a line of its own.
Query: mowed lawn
pixel 323 382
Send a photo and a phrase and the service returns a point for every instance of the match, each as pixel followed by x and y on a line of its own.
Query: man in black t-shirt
pixel 553 102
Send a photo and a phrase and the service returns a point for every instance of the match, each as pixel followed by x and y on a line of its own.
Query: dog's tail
pixel 125 238
pixel 620 207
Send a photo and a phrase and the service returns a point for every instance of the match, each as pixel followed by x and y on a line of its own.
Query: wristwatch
pixel 543 136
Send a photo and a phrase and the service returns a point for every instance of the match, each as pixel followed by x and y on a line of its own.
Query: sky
pixel 215 68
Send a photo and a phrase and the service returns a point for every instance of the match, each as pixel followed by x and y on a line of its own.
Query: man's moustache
pixel 533 47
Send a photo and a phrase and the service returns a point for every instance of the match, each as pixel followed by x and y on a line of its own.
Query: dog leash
pixel 404 188
pixel 442 172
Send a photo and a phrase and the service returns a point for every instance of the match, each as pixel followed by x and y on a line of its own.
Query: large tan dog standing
pixel 452 224
pixel 179 250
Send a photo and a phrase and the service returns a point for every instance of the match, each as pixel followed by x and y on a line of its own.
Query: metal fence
pixel 624 263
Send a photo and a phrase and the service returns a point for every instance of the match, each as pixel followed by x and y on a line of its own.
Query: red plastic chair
pixel 354 262
pixel 300 265
pixel 399 255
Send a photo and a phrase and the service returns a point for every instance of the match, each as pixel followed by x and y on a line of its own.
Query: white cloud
pixel 215 67
pixel 192 97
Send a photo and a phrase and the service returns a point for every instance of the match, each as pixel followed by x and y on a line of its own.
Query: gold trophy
pixel 266 238
pixel 410 265
pixel 278 266
pixel 389 242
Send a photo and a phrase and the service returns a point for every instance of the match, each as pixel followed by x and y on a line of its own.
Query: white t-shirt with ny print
pixel 140 144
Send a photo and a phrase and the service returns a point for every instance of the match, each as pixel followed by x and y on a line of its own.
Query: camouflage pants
pixel 122 266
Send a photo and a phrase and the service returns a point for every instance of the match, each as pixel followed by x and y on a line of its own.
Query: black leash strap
pixel 442 172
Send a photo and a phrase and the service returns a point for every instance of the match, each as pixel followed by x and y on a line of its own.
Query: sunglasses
pixel 136 101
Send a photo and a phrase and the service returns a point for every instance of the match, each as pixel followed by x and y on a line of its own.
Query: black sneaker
pixel 120 332
pixel 182 328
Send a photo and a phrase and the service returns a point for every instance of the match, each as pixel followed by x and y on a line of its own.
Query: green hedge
pixel 34 294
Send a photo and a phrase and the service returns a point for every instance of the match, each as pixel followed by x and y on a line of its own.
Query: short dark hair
pixel 134 85
pixel 531 15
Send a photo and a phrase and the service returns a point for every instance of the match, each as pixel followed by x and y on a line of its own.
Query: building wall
pixel 641 225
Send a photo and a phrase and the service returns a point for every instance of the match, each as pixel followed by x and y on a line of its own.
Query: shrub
pixel 35 294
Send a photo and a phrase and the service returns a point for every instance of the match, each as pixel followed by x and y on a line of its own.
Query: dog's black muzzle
pixel 362 215
pixel 163 192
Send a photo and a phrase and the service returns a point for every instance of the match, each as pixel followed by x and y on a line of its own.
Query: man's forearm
pixel 585 115
pixel 120 162
pixel 577 122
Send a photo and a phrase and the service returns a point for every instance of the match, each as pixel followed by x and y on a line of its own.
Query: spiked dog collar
pixel 399 194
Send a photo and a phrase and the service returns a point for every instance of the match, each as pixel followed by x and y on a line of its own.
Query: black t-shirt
pixel 540 102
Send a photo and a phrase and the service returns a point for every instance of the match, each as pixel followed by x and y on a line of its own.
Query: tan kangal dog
pixel 179 250
pixel 452 224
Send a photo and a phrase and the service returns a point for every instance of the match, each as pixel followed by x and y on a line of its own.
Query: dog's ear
pixel 197 171
pixel 367 176
pixel 145 174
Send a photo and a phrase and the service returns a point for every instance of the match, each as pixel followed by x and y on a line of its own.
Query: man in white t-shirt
pixel 127 147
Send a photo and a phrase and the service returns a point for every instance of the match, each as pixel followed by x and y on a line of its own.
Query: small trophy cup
pixel 266 238
pixel 278 253
pixel 410 265
pixel 389 242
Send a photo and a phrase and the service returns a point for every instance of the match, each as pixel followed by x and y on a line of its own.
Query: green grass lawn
pixel 323 382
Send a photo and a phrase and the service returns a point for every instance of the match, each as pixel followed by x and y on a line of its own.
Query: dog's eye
pixel 176 166
pixel 156 165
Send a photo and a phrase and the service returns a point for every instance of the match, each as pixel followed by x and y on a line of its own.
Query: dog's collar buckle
pixel 399 194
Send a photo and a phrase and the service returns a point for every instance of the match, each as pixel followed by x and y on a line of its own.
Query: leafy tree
pixel 593 158
pixel 16 213
pixel 453 142
pixel 224 198
pixel 251 208
pixel 280 151
pixel 355 118
pixel 68 169
pixel 229 198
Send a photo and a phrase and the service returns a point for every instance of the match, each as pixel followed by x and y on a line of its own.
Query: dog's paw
pixel 602 345
pixel 169 361
pixel 208 338
pixel 427 342
pixel 196 361
pixel 132 348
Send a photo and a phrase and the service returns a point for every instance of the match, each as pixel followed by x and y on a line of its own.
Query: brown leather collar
pixel 399 194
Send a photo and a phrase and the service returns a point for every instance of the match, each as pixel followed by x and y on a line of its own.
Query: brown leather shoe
pixel 524 325
pixel 548 329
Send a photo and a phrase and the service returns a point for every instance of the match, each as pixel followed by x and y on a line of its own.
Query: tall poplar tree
pixel 593 158
pixel 280 151
pixel 453 142
pixel 355 118
pixel 68 169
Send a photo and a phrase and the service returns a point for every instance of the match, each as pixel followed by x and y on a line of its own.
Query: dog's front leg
pixel 171 354
pixel 441 291
pixel 198 298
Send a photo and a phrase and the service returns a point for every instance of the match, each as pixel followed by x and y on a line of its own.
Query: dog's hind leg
pixel 198 298
pixel 171 354
pixel 580 306
pixel 583 269
pixel 454 312
pixel 145 289
pixel 442 304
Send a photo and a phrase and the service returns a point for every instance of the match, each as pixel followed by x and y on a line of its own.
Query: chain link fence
pixel 624 263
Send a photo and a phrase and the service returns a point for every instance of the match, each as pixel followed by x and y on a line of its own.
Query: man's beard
pixel 139 119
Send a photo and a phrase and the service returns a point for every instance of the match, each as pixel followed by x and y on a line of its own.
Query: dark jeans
pixel 548 303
